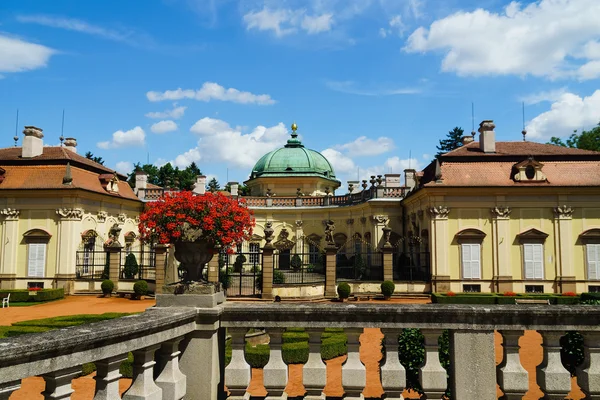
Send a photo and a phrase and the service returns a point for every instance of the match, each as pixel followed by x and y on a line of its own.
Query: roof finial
pixel 524 132
pixel 68 178
pixel 294 129
pixel 16 137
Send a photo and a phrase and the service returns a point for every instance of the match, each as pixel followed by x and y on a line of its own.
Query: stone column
pixel 388 255
pixel 501 248
pixel 107 377
pixel 267 271
pixel 171 380
pixel 563 216
pixel 588 374
pixel 114 262
pixel 160 263
pixel 275 376
pixel 432 375
pixel 330 272
pixel 552 377
pixel 58 383
pixel 69 225
pixel 354 373
pixel 473 361
pixel 212 273
pixel 393 374
pixel 440 245
pixel 512 377
pixel 143 387
pixel 379 223
pixel 314 373
pixel 10 248
pixel 237 373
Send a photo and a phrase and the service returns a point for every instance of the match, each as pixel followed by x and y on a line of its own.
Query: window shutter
pixel 538 261
pixel 466 260
pixel 593 261
pixel 37 259
pixel 475 261
pixel 528 260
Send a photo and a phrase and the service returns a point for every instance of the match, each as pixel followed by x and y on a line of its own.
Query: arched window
pixel 37 246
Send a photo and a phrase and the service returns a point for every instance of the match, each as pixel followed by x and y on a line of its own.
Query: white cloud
pixel 135 137
pixel 284 21
pixel 544 96
pixel 396 25
pixel 124 167
pixel 164 126
pixel 364 146
pixel 185 159
pixel 219 142
pixel 350 87
pixel 566 114
pixel 212 91
pixel 342 164
pixel 546 38
pixel 397 166
pixel 17 55
pixel 175 113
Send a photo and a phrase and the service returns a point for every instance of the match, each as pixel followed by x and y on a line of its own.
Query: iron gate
pixel 241 273
pixel 357 259
pixel 299 262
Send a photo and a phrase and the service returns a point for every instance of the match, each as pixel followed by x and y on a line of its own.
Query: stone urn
pixel 193 256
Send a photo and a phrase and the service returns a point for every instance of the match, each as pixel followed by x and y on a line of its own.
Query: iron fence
pixel 241 274
pixel 415 266
pixel 298 268
pixel 92 264
pixel 138 263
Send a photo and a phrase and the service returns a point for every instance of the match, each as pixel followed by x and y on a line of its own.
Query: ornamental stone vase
pixel 193 256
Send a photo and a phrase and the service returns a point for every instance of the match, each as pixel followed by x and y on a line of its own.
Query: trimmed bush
pixel 48 295
pixel 296 263
pixel 571 352
pixel 140 288
pixel 586 296
pixel 333 346
pixel 107 287
pixel 343 290
pixel 567 300
pixel 16 295
pixel 88 368
pixel 257 356
pixel 460 299
pixel 295 352
pixel 411 351
pixel 130 269
pixel 387 289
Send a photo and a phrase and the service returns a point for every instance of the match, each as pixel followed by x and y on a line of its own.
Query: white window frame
pixel 592 261
pixel 254 251
pixel 471 265
pixel 38 269
pixel 533 261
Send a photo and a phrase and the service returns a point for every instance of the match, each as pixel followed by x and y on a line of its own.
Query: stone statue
pixel 329 229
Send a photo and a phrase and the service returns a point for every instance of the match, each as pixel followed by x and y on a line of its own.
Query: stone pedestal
pixel 330 275
pixel 267 271
pixel 114 263
pixel 388 262
pixel 203 295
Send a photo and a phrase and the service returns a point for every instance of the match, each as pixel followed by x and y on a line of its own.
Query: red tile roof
pixel 518 149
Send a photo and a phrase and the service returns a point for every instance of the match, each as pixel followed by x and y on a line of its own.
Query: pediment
pixel 532 235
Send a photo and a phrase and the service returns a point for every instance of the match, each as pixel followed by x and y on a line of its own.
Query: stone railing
pixel 199 334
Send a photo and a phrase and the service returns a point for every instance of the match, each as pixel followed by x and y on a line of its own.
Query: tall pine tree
pixel 453 141
pixel 213 185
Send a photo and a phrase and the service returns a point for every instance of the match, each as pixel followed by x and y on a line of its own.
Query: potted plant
pixel 196 225
pixel 343 291
pixel 387 289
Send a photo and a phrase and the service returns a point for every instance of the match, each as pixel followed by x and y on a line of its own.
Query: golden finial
pixel 294 127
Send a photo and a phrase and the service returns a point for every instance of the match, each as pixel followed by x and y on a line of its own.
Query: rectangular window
pixel 36 262
pixel 533 260
pixel 471 260
pixel 534 289
pixel 472 288
pixel 313 254
pixel 593 289
pixel 254 253
pixel 593 260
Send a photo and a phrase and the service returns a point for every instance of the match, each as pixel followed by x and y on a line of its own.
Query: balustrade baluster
pixel 143 387
pixel 354 373
pixel 314 373
pixel 58 383
pixel 433 375
pixel 107 378
pixel 6 389
pixel 393 374
pixel 473 361
pixel 588 374
pixel 237 373
pixel 552 377
pixel 171 380
pixel 275 373
pixel 512 377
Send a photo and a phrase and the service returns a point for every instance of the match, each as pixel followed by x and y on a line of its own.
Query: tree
pixel 90 156
pixel 213 185
pixel 587 140
pixel 453 141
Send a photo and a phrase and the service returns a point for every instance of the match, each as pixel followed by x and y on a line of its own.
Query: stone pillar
pixel 114 262
pixel 107 377
pixel 388 255
pixel 160 264
pixel 68 239
pixel 58 383
pixel 501 249
pixel 473 361
pixel 276 371
pixel 6 389
pixel 314 373
pixel 212 273
pixel 432 376
pixel 553 379
pixel 267 271
pixel 512 377
pixel 379 223
pixel 393 374
pixel 171 380
pixel 563 216
pixel 10 248
pixel 330 273
pixel 143 386
pixel 440 245
pixel 237 373
pixel 588 374
pixel 354 373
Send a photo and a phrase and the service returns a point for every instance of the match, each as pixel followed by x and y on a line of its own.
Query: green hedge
pixel 590 296
pixel 257 356
pixel 22 295
pixel 460 299
pixel 295 352
pixel 12 331
pixel 495 298
pixel 48 295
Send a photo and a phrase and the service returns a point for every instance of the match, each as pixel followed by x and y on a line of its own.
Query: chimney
pixel 33 145
pixel 200 185
pixel 233 188
pixel 487 137
pixel 71 144
pixel 410 178
pixel 141 180
pixel 392 180
pixel 467 139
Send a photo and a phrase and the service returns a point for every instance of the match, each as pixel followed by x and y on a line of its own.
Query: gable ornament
pixel 563 211
pixel 501 211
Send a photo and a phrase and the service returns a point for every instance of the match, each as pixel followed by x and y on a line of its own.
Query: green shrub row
pixel 495 298
pixel 22 295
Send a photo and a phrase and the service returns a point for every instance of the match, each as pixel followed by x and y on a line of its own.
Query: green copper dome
pixel 293 160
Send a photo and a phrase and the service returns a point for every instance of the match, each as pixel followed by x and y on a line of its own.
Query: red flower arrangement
pixel 184 216
pixel 569 294
pixel 509 293
pixel 450 293
pixel 34 289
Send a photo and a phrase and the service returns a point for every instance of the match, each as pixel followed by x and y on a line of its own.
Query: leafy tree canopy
pixel 453 141
pixel 167 176
pixel 587 140
pixel 90 156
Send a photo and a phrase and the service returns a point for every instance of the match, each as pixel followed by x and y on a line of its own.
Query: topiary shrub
pixel 130 269
pixel 343 290
pixel 257 356
pixel 106 270
pixel 140 288
pixel 387 289
pixel 278 277
pixel 107 287
pixel 296 263
pixel 360 267
pixel 239 263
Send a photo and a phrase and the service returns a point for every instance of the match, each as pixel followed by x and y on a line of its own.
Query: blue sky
pixel 368 82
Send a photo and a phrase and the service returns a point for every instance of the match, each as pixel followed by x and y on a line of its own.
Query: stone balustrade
pixel 179 352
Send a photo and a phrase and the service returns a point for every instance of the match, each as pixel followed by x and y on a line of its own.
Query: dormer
pixel 529 171
pixel 109 182
pixel 2 174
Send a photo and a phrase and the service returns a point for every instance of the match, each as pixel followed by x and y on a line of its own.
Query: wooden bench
pixel 125 293
pixel 532 301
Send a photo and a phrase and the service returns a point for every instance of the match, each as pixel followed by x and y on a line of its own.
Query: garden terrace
pixel 199 334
